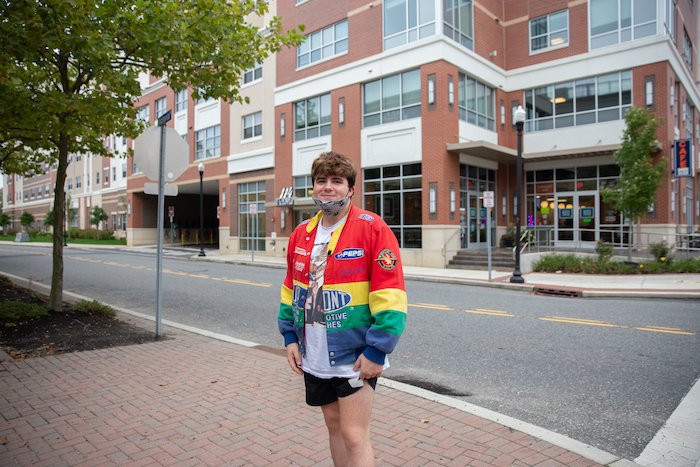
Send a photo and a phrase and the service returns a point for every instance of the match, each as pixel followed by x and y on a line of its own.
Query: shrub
pixel 554 263
pixel 507 240
pixel 685 265
pixel 604 250
pixel 95 307
pixel 13 311
pixel 659 250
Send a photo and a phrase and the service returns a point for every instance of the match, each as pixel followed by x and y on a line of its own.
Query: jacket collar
pixel 313 223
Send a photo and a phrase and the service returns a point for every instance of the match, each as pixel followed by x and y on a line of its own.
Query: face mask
pixel 331 208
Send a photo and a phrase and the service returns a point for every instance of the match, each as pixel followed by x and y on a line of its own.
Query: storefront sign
pixel 682 158
pixel 286 198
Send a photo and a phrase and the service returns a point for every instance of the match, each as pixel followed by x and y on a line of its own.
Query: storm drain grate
pixel 557 292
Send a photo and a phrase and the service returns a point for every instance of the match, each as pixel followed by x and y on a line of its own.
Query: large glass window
pixel 303 186
pixel 458 21
pixel 616 21
pixel 687 52
pixel 312 117
pixel 476 102
pixel 142 115
pixel 391 99
pixel 549 31
pixel 251 216
pixel 323 44
pixel 582 102
pixel 394 193
pixel 208 142
pixel 407 21
pixel 252 125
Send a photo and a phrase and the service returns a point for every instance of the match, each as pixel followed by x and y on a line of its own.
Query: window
pixel 251 221
pixel 458 22
pixel 549 31
pixel 208 142
pixel 312 118
pixel 303 186
pixel 97 178
pixel 687 52
pixel 252 74
pixel 670 18
pixel 688 111
pixel 135 169
pixel 586 101
pixel 395 194
pixel 69 184
pixel 142 115
pixel 649 91
pixel 114 173
pixel 161 107
pixel 123 169
pixel 252 125
pixel 391 99
pixel 476 102
pixel 78 182
pixel 323 44
pixel 181 101
pixel 616 21
pixel 407 21
pixel 106 176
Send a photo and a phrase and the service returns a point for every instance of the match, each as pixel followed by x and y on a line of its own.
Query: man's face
pixel 331 188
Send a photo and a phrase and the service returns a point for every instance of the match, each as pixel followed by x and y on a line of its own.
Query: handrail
pixel 444 246
pixel 526 234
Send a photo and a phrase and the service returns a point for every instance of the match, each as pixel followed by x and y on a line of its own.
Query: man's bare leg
pixel 348 428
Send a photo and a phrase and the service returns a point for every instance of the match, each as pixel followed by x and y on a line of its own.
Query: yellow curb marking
pixel 199 276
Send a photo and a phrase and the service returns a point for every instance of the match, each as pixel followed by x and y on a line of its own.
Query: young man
pixel 343 307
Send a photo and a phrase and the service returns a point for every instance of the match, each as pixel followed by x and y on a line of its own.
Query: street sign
pixel 488 199
pixel 151 188
pixel 147 153
pixel 171 211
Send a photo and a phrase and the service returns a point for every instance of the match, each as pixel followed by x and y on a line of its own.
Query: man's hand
pixel 294 358
pixel 368 369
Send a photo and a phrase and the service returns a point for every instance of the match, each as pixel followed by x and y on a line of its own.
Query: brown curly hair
pixel 334 164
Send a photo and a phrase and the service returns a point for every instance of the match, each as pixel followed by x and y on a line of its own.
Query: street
pixel 607 372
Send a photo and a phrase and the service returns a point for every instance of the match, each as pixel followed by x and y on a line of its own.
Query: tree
pixel 48 220
pixel 640 175
pixel 4 221
pixel 26 219
pixel 97 215
pixel 71 69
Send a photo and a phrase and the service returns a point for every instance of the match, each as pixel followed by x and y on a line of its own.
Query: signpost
pixel 488 204
pixel 253 211
pixel 153 163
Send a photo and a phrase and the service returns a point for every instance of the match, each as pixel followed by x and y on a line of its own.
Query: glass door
pixel 473 221
pixel 577 219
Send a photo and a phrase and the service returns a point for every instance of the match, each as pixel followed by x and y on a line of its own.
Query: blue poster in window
pixel 566 213
pixel 587 212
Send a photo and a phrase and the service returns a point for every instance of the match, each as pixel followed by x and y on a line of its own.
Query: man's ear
pixel 351 192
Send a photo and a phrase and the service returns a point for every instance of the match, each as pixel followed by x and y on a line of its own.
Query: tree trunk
pixel 56 295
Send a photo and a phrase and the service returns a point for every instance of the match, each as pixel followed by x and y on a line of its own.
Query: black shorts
pixel 325 391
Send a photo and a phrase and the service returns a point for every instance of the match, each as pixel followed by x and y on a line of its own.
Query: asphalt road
pixel 607 372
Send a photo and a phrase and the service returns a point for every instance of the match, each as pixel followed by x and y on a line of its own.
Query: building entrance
pixel 577 220
pixel 473 221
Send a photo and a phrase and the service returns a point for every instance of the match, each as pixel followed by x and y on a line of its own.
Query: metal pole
pixel 517 276
pixel 162 120
pixel 201 210
pixel 65 221
pixel 488 237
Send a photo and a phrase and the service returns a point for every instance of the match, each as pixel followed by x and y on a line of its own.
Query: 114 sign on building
pixel 682 158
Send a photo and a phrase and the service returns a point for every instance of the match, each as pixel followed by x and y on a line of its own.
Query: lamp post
pixel 519 120
pixel 201 209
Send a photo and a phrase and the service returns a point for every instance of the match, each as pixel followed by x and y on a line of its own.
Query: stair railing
pixel 444 246
pixel 527 234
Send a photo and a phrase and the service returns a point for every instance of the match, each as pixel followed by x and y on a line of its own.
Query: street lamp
pixel 519 120
pixel 201 209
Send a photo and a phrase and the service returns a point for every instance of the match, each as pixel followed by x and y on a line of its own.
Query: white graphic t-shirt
pixel 315 360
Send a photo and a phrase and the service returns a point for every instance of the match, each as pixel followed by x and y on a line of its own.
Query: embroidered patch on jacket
pixel 350 253
pixel 334 300
pixel 299 265
pixel 300 251
pixel 387 259
pixel 366 217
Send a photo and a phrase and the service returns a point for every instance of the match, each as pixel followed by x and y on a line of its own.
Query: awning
pixel 498 153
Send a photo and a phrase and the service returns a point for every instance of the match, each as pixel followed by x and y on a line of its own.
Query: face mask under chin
pixel 331 208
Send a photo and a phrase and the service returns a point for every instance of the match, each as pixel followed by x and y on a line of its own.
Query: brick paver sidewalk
pixel 192 400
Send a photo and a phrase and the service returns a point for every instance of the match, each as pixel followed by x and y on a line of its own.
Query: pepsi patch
pixel 350 253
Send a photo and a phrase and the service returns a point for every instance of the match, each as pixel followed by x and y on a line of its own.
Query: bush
pixel 95 307
pixel 687 265
pixel 659 250
pixel 507 240
pixel 13 311
pixel 91 234
pixel 604 250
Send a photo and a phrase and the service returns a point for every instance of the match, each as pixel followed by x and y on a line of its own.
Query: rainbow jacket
pixel 364 296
